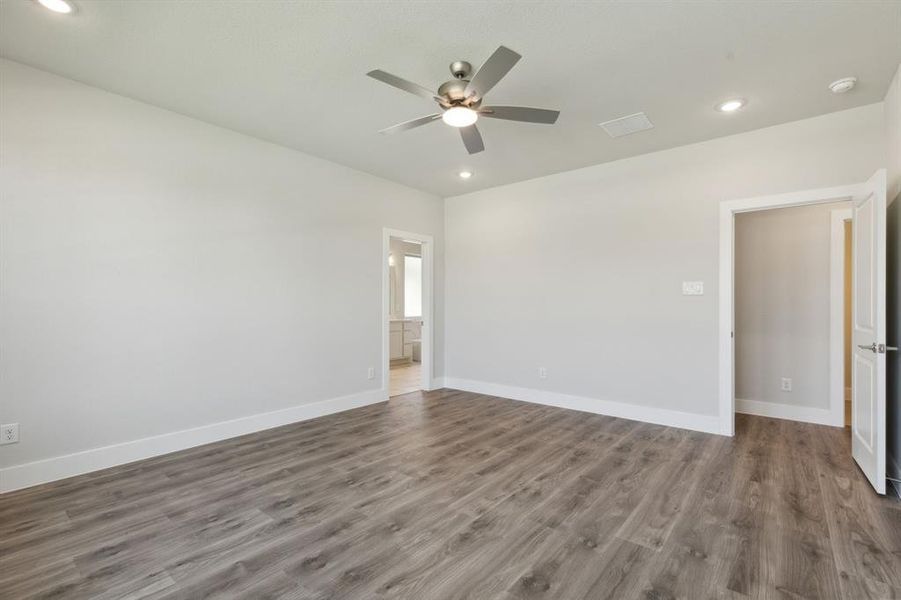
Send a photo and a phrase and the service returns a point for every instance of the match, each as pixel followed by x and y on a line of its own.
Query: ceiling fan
pixel 460 99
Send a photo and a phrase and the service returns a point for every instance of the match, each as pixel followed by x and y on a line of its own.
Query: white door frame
pixel 728 210
pixel 427 335
pixel 837 316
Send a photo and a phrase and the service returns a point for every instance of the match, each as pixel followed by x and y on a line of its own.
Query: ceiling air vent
pixel 626 125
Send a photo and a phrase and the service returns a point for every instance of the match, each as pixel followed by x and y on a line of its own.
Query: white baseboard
pixel 635 412
pixel 69 465
pixel 806 414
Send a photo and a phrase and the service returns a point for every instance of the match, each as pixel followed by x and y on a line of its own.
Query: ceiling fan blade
pixel 472 139
pixel 403 84
pixel 494 69
pixel 521 113
pixel 411 124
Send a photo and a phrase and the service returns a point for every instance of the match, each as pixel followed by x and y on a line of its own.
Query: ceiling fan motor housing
pixel 454 90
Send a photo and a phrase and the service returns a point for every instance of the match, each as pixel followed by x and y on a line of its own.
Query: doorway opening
pixel 407 316
pixel 789 282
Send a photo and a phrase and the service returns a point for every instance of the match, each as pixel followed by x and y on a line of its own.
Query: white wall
pixel 892 106
pixel 893 314
pixel 782 305
pixel 581 272
pixel 160 273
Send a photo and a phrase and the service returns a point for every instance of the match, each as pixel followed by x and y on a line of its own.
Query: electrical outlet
pixel 542 373
pixel 371 373
pixel 786 384
pixel 9 433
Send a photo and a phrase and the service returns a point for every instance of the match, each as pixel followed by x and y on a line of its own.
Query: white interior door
pixel 868 310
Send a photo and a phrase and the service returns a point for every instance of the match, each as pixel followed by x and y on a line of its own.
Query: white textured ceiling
pixel 293 72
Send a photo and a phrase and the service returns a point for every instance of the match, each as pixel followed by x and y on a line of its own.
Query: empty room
pixel 501 300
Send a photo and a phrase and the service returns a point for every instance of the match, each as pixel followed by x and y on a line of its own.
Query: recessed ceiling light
pixel 460 116
pixel 465 174
pixel 58 6
pixel 731 105
pixel 840 86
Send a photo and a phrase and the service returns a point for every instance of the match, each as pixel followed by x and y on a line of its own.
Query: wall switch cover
pixel 692 288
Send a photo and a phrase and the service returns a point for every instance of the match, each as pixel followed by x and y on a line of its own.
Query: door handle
pixel 878 348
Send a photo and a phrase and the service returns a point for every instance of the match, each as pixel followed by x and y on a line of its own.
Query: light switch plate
pixel 692 288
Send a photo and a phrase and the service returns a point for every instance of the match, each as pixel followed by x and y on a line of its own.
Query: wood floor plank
pixel 624 572
pixel 449 494
pixel 652 521
pixel 860 535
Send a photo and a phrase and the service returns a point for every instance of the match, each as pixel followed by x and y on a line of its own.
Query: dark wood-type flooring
pixel 455 495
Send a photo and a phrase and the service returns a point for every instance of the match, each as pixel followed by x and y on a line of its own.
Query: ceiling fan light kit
pixel 460 99
pixel 460 116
